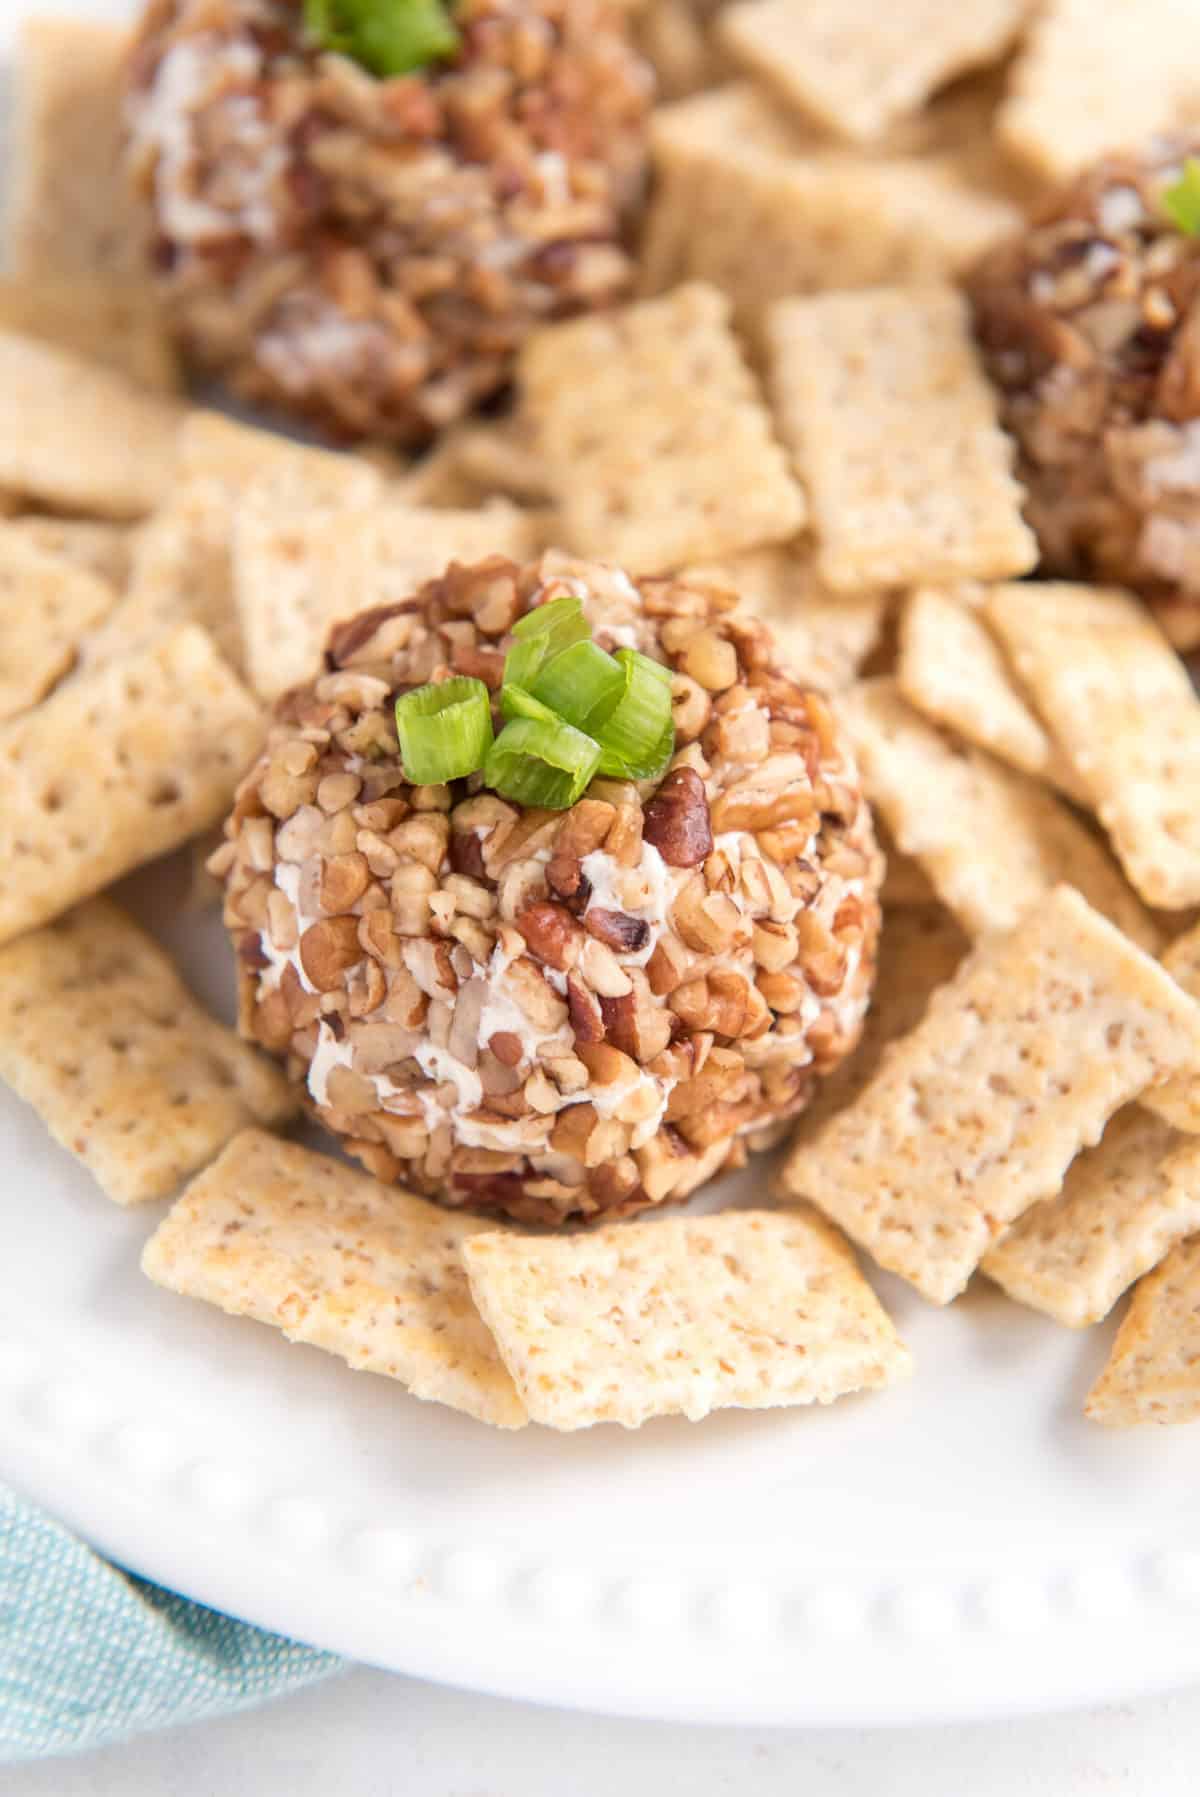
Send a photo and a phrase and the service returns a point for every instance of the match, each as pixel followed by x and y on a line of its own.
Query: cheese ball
pixel 557 1015
pixel 368 253
pixel 1089 322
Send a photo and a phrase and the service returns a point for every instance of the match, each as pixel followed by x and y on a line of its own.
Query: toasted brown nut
pixel 587 1019
pixel 344 879
pixel 327 949
pixel 676 820
pixel 617 929
pixel 552 934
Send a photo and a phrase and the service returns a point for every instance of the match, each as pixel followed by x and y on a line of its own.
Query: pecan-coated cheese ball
pixel 554 1014
pixel 1089 322
pixel 365 250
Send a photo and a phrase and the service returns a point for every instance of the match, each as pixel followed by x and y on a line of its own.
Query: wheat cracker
pixel 98 547
pixel 116 322
pixel 1178 1102
pixel 1153 1372
pixel 47 607
pixel 976 1114
pixel 333 1258
pixel 681 1316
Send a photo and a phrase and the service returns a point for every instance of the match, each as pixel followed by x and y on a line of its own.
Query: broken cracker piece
pixel 881 399
pixel 1153 1372
pixel 335 1259
pixel 72 211
pixel 117 322
pixel 78 437
pixel 853 67
pixel 94 545
pixel 976 1114
pixel 952 670
pixel 100 1035
pixel 1126 714
pixel 47 608
pixel 213 447
pixel 1178 1102
pixel 665 455
pixel 682 1317
pixel 1123 1206
pixel 992 841
pixel 118 766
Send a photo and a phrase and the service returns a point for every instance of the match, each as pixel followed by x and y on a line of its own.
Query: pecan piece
pixel 328 949
pixel 552 934
pixel 677 821
pixel 617 929
pixel 587 1019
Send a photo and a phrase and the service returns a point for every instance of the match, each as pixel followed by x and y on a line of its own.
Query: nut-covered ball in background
pixel 369 253
pixel 1089 323
pixel 554 1014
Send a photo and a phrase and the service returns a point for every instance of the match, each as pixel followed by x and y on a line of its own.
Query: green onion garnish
pixel 515 702
pixel 638 738
pixel 389 37
pixel 542 634
pixel 582 684
pixel 1181 201
pixel 445 730
pixel 537 763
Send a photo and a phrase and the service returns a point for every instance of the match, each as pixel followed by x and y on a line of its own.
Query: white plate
pixel 964 1546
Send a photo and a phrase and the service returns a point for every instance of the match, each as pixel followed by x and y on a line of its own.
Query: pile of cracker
pixel 794 408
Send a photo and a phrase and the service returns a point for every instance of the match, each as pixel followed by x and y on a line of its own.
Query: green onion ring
pixel 535 763
pixel 444 730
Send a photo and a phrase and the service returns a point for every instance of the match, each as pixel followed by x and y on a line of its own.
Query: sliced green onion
pixel 537 763
pixel 388 37
pixel 515 702
pixel 542 634
pixel 1181 201
pixel 445 730
pixel 582 684
pixel 638 738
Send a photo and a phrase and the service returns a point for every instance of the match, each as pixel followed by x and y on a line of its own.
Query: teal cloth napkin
pixel 90 1655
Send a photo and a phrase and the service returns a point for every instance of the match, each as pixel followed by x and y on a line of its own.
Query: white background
pixel 371 1734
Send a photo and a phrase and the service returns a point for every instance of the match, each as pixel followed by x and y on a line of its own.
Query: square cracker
pixel 118 766
pixel 992 841
pixel 332 1258
pixel 116 322
pixel 951 669
pixel 1127 717
pixel 883 403
pixel 1179 1100
pixel 81 438
pixel 853 66
pixel 682 1317
pixel 905 882
pixel 664 455
pixel 297 574
pixel 212 447
pixel 46 609
pixel 97 547
pixel 100 1035
pixel 730 188
pixel 1123 1206
pixel 977 1113
pixel 1096 78
pixel 1153 1372
pixel 72 210
pixel 920 948
pixel 822 638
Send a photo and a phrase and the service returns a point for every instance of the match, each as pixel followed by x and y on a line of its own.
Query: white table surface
pixel 370 1734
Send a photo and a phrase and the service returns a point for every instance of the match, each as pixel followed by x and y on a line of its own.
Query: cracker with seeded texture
pixel 664 455
pixel 296 575
pixel 81 438
pixel 212 447
pixel 976 1114
pixel 822 638
pixel 97 547
pixel 1179 1100
pixel 1096 78
pixel 892 422
pixel 47 608
pixel 1153 1372
pixel 992 841
pixel 682 1317
pixel 118 766
pixel 1123 708
pixel 853 67
pixel 952 670
pixel 335 1259
pixel 920 948
pixel 1123 1206
pixel 71 210
pixel 100 1035
pixel 730 190
pixel 116 322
